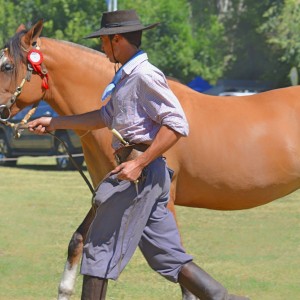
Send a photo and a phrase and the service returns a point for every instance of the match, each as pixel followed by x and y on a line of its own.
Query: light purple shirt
pixel 141 103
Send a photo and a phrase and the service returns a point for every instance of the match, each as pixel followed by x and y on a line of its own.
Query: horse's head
pixel 20 84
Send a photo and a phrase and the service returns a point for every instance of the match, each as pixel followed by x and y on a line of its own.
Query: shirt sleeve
pixel 160 103
pixel 106 114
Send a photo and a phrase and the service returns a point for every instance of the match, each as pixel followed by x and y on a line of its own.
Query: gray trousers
pixel 127 218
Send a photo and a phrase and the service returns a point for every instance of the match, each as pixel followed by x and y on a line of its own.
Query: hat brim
pixel 117 30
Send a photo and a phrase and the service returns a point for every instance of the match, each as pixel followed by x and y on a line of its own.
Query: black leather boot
pixel 93 288
pixel 203 285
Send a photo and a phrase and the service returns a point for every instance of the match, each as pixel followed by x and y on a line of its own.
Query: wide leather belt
pixel 130 152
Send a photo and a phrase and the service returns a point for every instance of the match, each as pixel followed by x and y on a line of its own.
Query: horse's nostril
pixel 4 113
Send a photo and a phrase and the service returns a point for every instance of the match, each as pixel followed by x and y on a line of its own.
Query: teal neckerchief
pixel 110 88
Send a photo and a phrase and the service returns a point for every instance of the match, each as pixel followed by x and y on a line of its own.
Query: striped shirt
pixel 141 103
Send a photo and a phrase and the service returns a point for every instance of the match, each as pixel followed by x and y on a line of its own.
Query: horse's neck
pixel 77 76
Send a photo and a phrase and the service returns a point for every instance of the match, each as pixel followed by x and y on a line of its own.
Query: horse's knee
pixel 75 247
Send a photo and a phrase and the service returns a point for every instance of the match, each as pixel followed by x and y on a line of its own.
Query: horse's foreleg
pixel 67 283
pixel 186 294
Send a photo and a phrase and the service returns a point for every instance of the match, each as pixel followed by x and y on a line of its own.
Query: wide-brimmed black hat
pixel 119 21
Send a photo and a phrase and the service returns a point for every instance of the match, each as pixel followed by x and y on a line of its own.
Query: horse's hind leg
pixel 67 283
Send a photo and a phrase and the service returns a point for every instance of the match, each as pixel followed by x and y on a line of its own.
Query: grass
pixel 254 252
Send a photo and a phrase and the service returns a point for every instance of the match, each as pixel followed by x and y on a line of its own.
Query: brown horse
pixel 240 153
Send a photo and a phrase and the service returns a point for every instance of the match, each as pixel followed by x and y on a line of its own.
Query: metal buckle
pixel 4 113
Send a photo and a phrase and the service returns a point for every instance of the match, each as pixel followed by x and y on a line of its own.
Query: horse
pixel 240 153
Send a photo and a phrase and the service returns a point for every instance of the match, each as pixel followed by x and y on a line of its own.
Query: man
pixel 131 201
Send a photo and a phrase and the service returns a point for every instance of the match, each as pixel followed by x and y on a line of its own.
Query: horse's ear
pixel 33 33
pixel 20 28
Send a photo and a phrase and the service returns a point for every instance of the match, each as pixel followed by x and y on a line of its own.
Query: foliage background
pixel 214 39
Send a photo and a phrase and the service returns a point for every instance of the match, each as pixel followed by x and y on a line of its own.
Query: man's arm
pixel 164 140
pixel 87 121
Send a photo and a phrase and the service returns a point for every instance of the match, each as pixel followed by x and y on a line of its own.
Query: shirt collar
pixel 133 63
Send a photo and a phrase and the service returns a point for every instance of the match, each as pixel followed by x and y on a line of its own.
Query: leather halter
pixel 7 107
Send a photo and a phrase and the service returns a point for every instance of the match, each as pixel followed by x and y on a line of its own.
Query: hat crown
pixel 120 18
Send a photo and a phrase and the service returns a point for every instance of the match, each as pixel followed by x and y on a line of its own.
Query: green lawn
pixel 254 252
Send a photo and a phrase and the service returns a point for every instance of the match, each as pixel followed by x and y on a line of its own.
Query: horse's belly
pixel 218 196
pixel 237 180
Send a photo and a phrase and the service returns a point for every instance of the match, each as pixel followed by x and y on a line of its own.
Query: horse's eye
pixel 7 67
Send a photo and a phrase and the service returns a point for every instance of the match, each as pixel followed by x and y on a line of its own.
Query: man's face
pixel 106 47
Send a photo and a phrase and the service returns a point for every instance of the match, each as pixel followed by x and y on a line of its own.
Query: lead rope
pixel 71 158
pixel 75 164
pixel 23 122
pixel 114 131
pixel 19 127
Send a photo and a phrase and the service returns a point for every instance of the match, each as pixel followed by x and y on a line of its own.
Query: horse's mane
pixel 15 51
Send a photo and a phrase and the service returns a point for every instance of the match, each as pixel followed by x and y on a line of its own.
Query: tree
pixel 248 55
pixel 171 46
pixel 252 57
pixel 211 45
pixel 237 39
pixel 8 17
pixel 282 32
pixel 168 45
pixel 179 48
pixel 64 19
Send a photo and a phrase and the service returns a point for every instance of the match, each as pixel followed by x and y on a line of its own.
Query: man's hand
pixel 41 125
pixel 130 170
